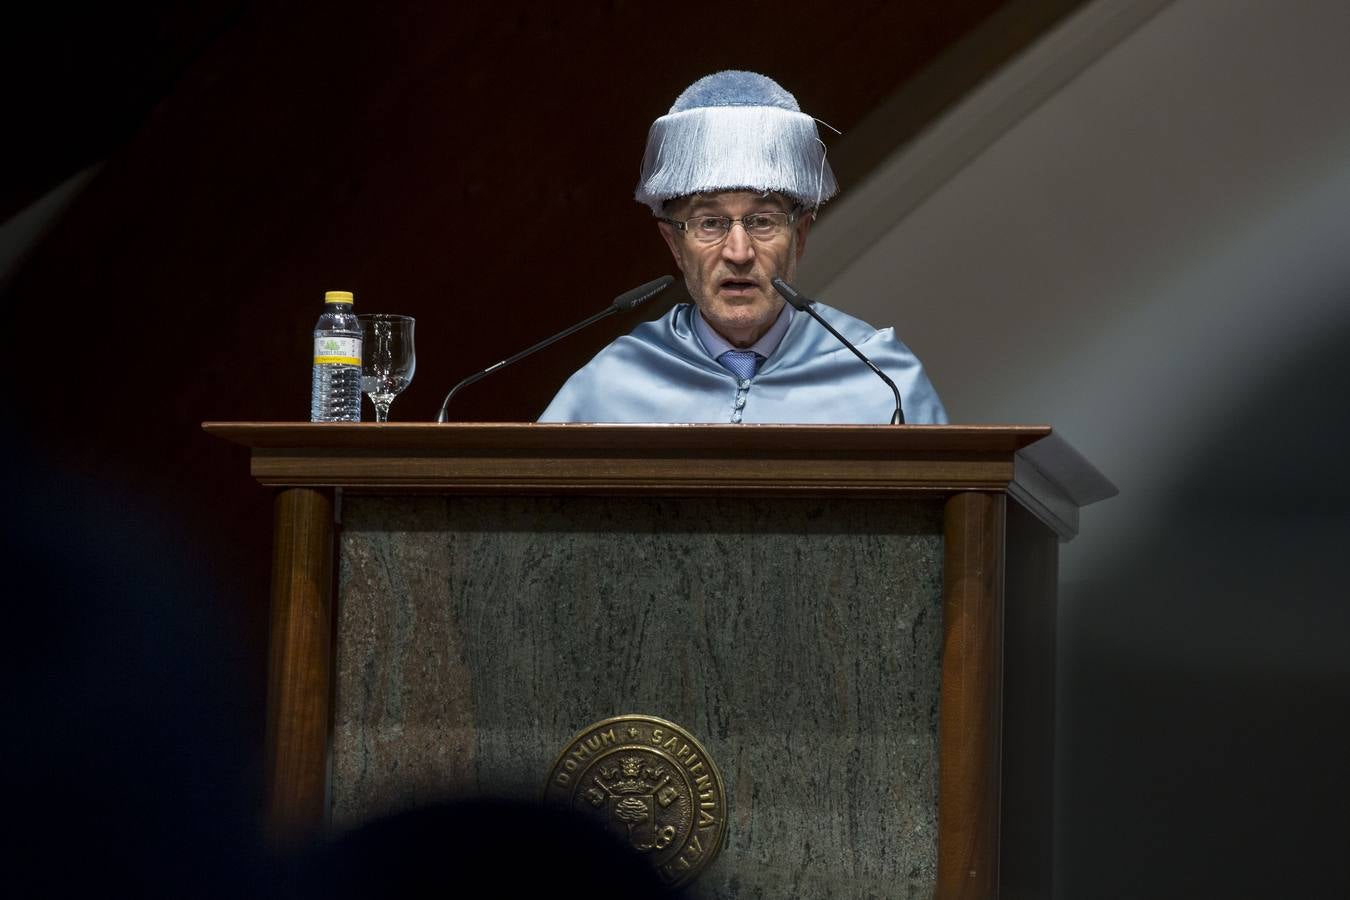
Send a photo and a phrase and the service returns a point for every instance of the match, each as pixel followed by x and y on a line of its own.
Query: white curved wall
pixel 1127 257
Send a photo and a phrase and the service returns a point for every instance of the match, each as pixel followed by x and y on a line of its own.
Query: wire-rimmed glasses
pixel 761 226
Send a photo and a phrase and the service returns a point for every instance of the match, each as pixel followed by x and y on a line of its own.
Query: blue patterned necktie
pixel 742 363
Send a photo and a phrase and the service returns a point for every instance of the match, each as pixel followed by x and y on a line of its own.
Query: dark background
pixel 474 167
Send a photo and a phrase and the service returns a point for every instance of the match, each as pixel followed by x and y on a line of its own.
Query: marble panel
pixel 798 639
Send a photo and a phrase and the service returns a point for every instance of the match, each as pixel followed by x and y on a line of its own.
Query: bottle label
pixel 330 350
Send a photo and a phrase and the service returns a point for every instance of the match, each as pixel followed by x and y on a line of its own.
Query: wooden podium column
pixel 300 664
pixel 972 696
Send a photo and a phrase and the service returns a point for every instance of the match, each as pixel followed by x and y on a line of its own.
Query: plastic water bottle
pixel 335 393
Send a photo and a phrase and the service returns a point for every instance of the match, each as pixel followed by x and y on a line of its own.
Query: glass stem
pixel 382 412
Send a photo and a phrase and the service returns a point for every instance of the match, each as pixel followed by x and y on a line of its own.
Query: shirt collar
pixel 715 345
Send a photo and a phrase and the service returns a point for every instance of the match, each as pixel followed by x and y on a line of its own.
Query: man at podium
pixel 734 174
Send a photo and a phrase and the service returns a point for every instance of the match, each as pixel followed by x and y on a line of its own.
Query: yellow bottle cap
pixel 338 297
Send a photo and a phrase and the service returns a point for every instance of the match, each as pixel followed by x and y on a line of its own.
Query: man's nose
pixel 738 247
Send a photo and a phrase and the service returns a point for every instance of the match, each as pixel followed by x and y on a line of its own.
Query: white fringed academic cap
pixel 735 131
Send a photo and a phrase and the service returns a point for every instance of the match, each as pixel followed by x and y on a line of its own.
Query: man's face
pixel 730 281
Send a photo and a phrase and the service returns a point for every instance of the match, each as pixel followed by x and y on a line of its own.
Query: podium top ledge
pixel 1035 466
pixel 431 436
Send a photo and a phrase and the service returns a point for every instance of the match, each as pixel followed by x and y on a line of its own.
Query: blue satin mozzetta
pixel 661 373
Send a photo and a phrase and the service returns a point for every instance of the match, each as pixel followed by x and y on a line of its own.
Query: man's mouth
pixel 737 287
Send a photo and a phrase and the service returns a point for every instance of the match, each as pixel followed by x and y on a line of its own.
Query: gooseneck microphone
pixel 622 303
pixel 791 295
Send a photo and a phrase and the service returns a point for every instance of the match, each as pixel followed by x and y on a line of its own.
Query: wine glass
pixel 387 359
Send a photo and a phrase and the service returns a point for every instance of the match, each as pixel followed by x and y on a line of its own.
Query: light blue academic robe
pixel 661 373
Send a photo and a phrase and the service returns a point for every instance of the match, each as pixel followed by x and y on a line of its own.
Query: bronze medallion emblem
pixel 652 784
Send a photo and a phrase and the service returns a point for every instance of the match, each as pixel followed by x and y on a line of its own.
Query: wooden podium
pixel 854 620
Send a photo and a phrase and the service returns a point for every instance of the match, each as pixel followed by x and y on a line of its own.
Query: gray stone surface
pixel 798 639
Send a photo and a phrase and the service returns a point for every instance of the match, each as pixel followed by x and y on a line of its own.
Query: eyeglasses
pixel 714 229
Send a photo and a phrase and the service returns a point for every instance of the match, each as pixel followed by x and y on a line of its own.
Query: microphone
pixel 793 296
pixel 635 297
pixel 622 303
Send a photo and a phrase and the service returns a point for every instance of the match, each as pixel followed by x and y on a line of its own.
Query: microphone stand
pixel 793 296
pixel 622 303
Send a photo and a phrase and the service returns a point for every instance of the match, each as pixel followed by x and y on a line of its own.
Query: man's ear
pixel 673 242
